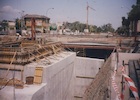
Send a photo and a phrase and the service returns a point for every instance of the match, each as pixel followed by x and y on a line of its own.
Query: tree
pixel 93 28
pixel 138 1
pixel 4 25
pixel 125 26
pixel 18 24
pixel 134 14
pixel 121 30
pixel 99 29
pixel 80 26
pixel 76 26
pixel 107 28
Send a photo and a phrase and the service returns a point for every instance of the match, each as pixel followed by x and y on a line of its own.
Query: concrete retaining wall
pixel 56 80
pixel 83 67
pixel 101 88
pixel 59 81
pixel 98 89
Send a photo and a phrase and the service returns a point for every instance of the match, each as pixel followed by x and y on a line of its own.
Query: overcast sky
pixel 106 11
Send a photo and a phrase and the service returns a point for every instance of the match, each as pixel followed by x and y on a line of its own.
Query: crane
pixel 88 12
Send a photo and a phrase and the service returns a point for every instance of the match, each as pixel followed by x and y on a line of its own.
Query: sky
pixel 105 11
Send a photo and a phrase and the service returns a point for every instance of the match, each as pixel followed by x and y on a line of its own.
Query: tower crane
pixel 88 12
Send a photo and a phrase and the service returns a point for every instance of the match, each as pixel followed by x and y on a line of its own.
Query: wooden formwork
pixel 28 51
pixel 25 53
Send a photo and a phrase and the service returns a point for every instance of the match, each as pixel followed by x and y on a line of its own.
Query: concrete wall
pixel 101 87
pixel 97 90
pixel 59 78
pixel 83 67
pixel 56 79
pixel 126 57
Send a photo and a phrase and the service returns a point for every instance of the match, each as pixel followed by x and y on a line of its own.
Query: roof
pixel 35 16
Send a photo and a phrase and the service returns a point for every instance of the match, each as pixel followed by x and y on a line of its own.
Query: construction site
pixel 69 61
pixel 58 67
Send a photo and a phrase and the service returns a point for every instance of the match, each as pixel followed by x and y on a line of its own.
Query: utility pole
pixel 33 28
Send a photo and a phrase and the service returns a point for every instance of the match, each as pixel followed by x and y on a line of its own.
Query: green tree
pixel 82 27
pixel 76 26
pixel 121 30
pixel 93 28
pixel 99 29
pixel 138 1
pixel 4 25
pixel 18 24
pixel 134 14
pixel 125 26
pixel 107 28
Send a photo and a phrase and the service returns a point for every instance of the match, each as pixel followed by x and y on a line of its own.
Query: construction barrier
pixel 132 86
pixel 114 85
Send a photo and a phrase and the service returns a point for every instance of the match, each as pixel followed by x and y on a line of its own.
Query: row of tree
pixel 92 28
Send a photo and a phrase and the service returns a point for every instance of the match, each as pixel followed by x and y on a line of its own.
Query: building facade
pixel 41 22
pixel 11 25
